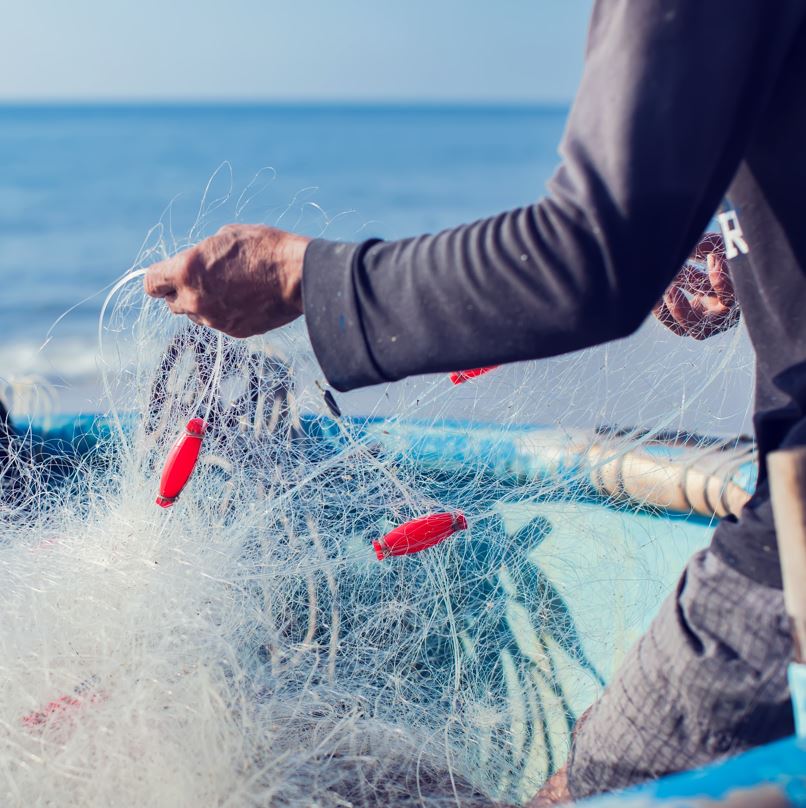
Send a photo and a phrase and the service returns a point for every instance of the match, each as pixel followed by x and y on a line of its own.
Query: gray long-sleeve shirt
pixel 681 101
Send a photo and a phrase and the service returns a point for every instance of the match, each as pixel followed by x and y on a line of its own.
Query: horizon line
pixel 185 101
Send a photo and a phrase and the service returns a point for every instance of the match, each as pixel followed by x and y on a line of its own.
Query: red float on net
pixel 419 534
pixel 180 462
pixel 65 707
pixel 461 376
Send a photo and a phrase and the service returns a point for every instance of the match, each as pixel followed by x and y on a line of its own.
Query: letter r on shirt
pixel 732 234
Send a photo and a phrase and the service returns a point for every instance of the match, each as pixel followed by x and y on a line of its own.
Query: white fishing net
pixel 245 647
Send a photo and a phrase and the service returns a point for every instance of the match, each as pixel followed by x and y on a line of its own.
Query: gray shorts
pixel 708 679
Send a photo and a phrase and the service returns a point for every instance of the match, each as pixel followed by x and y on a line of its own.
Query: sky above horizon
pixel 355 50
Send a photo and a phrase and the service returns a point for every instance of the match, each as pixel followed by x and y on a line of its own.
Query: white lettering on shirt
pixel 732 234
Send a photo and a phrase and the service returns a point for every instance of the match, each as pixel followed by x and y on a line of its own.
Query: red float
pixel 419 534
pixel 180 462
pixel 461 376
pixel 65 706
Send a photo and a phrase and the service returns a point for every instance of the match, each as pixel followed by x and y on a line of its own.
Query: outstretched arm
pixel 670 97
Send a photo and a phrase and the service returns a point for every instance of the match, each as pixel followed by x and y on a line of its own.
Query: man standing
pixel 681 103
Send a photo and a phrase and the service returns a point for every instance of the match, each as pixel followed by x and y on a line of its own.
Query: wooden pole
pixel 787 472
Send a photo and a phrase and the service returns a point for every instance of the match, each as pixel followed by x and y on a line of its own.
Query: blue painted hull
pixel 609 556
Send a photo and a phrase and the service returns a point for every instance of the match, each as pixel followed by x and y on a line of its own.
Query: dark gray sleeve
pixel 671 93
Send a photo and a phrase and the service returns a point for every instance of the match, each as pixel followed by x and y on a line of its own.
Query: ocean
pixel 80 187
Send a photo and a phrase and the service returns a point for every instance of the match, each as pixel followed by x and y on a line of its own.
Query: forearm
pixel 491 292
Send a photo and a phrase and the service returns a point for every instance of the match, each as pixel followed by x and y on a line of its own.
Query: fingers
pixel 694 280
pixel 699 317
pixel 709 243
pixel 661 311
pixel 198 319
pixel 176 305
pixel 715 280
pixel 701 303
pixel 708 316
pixel 720 279
pixel 688 318
pixel 187 301
pixel 681 311
pixel 164 279
pixel 168 280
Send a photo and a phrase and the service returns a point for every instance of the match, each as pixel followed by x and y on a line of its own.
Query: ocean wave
pixel 70 359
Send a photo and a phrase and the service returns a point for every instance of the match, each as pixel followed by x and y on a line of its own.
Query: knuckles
pixel 189 267
pixel 213 280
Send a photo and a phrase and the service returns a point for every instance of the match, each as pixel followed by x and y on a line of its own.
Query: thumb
pixel 162 279
pixel 721 280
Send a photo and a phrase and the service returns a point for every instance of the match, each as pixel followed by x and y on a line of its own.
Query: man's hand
pixel 711 305
pixel 244 280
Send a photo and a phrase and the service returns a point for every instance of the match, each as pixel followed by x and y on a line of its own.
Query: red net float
pixel 180 462
pixel 64 706
pixel 54 708
pixel 461 376
pixel 419 534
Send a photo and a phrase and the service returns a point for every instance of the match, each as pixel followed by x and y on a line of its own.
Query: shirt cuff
pixel 332 313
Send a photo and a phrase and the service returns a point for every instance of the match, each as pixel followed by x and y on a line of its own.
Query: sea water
pixel 80 186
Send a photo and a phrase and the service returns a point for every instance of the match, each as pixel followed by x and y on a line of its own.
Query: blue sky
pixel 466 50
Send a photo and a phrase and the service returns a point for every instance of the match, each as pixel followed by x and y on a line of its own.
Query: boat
pixel 606 517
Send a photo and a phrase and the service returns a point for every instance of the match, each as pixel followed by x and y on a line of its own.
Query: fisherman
pixel 682 103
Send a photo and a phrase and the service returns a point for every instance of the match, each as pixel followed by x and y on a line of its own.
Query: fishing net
pixel 246 646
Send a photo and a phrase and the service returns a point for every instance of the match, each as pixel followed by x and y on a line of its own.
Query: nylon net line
pixel 247 647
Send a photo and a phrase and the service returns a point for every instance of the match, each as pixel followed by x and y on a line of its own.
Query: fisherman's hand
pixel 244 280
pixel 710 306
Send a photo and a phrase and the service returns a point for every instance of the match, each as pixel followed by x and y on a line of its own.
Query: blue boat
pixel 606 519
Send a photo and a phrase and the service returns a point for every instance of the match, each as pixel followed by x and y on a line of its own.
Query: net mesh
pixel 246 646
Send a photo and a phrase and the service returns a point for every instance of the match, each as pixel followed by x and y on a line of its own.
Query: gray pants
pixel 708 679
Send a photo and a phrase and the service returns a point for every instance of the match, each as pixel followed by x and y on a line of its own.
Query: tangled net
pixel 247 648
